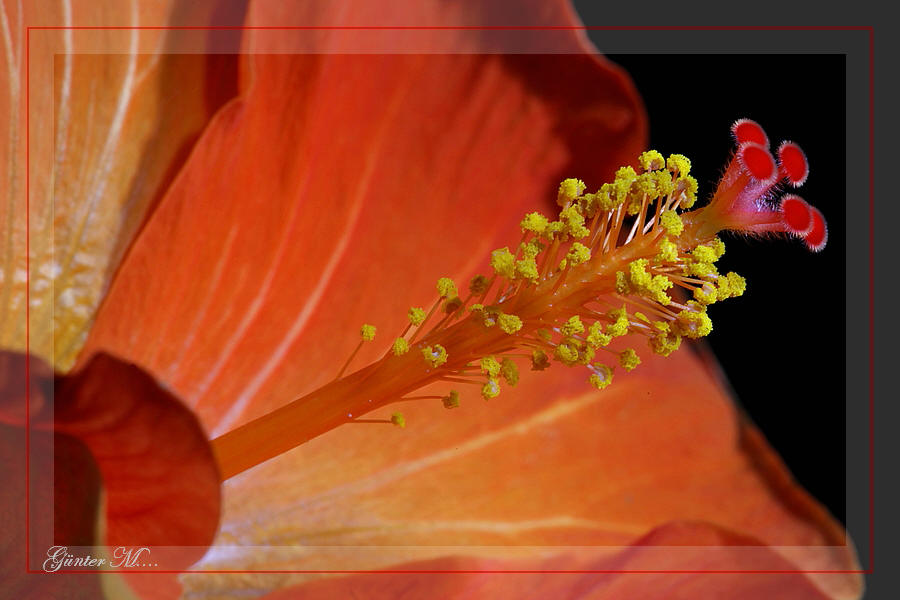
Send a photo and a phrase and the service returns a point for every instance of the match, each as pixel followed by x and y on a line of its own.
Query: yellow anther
pixel 664 183
pixel 452 305
pixel 737 284
pixel 694 322
pixel 544 334
pixel 589 205
pixel 489 316
pixel 367 332
pixel 622 285
pixel 573 222
pixel 668 251
pixel 416 316
pixel 479 284
pixel 704 254
pixel 509 371
pixel 596 338
pixel 490 366
pixel 400 347
pixel 398 420
pixel 629 359
pixel 723 288
pixel 572 326
pixel 532 248
pixel 446 288
pixel 554 229
pixel 451 400
pixel 641 317
pixel 701 269
pixel 586 355
pixel 504 263
pixel 435 356
pixel 657 289
pixel 706 294
pixel 477 307
pixel 527 269
pixel 645 184
pixel 634 206
pixel 718 247
pixel 637 273
pixel 602 376
pixel 509 323
pixel 491 389
pixel 567 352
pixel 535 222
pixel 679 164
pixel 626 174
pixel 651 160
pixel 652 286
pixel 664 341
pixel 619 326
pixel 617 313
pixel 539 360
pixel 578 254
pixel 671 222
pixel 569 189
pixel 687 187
pixel 607 198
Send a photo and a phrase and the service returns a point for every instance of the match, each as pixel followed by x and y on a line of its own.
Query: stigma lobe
pixel 746 199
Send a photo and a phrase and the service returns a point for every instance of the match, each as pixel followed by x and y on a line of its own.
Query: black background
pixel 781 345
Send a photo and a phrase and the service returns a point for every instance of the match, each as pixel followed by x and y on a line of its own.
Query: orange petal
pixel 336 181
pixel 551 463
pixel 672 547
pixel 111 115
pixel 158 475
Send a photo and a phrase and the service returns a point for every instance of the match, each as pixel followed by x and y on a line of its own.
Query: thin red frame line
pixel 27 301
pixel 466 27
pixel 871 298
pixel 868 28
pixel 507 571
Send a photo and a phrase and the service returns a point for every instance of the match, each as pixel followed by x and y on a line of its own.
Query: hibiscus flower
pixel 331 192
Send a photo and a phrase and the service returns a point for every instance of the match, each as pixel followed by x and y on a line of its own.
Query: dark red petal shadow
pixel 677 546
pixel 159 479
pixel 64 501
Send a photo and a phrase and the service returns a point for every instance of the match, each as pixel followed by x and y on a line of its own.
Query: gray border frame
pixel 855 45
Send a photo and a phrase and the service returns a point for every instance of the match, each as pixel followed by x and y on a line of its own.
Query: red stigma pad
pixel 818 234
pixel 793 164
pixel 757 161
pixel 745 130
pixel 796 214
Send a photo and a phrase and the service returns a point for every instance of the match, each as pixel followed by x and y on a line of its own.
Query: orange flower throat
pixel 605 268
